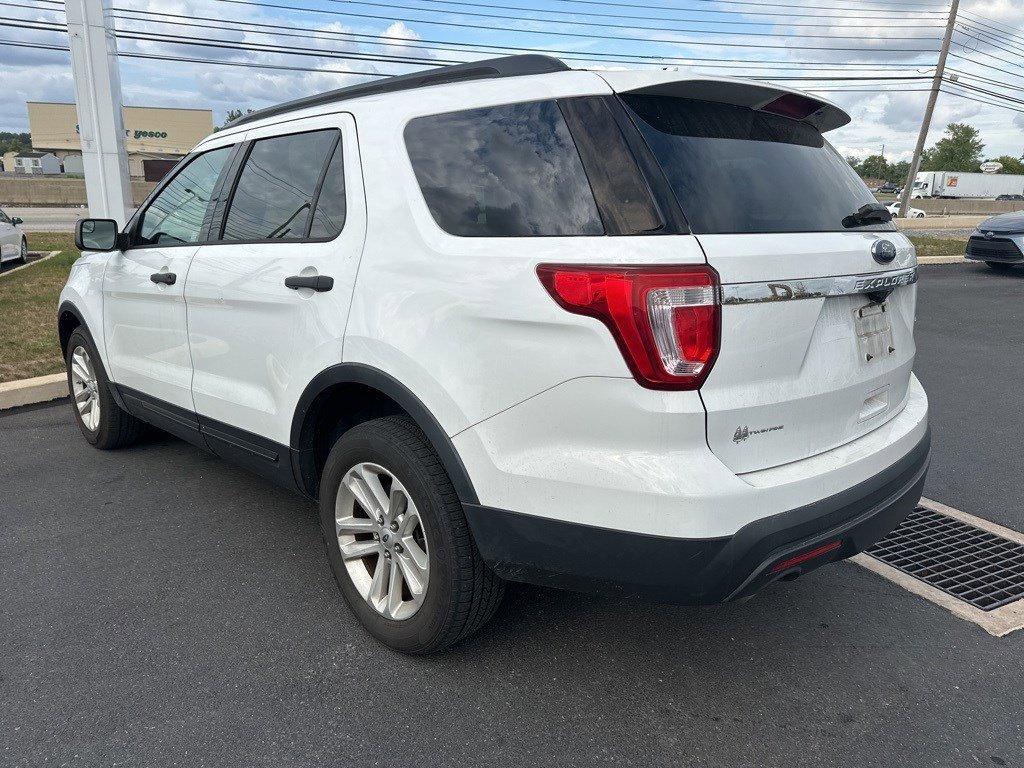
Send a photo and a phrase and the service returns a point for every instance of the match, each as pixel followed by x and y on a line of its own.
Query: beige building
pixel 154 136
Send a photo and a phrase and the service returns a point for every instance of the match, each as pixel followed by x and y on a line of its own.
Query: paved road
pixel 48 219
pixel 162 608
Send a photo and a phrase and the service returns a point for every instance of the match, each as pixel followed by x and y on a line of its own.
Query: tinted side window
pixel 3 218
pixel 274 193
pixel 329 214
pixel 175 216
pixel 508 171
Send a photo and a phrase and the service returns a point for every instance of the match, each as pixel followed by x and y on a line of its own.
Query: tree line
pixel 959 149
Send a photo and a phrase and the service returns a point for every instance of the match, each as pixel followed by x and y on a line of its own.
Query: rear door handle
pixel 167 278
pixel 316 282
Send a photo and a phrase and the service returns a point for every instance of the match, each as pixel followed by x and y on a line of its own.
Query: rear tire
pixel 390 465
pixel 23 254
pixel 999 266
pixel 104 424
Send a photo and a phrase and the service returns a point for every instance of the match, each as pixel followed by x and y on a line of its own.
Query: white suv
pixel 635 331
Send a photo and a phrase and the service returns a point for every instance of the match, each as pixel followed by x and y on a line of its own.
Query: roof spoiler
pixel 763 97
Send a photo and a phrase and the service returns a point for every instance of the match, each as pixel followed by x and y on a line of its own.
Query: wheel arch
pixel 347 378
pixel 68 319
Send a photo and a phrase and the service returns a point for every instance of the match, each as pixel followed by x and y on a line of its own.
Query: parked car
pixel 509 320
pixel 889 189
pixel 915 213
pixel 1009 197
pixel 998 241
pixel 13 244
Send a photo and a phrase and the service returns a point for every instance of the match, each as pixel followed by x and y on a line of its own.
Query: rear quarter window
pixel 506 171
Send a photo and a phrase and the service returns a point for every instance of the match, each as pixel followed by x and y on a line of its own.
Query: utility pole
pixel 940 70
pixel 98 101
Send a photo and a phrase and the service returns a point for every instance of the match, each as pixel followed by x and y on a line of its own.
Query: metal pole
pixel 940 69
pixel 98 101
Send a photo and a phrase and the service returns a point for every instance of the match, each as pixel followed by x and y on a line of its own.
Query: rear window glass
pixel 508 171
pixel 735 170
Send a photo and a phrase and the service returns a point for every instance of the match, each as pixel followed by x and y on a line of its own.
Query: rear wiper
pixel 870 213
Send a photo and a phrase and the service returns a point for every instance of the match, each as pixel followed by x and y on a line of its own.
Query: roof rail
pixel 504 66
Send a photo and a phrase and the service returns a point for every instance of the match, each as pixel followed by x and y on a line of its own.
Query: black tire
pixel 999 266
pixel 23 254
pixel 117 428
pixel 462 592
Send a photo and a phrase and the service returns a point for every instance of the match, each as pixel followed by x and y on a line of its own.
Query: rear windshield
pixel 735 170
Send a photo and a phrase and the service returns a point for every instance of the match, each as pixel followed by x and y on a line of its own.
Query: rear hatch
pixel 817 316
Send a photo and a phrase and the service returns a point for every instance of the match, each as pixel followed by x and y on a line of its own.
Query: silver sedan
pixel 13 245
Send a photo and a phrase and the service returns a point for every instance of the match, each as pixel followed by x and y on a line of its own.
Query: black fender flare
pixel 67 308
pixel 374 378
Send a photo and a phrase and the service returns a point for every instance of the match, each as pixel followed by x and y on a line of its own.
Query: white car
pixel 510 320
pixel 915 213
pixel 13 244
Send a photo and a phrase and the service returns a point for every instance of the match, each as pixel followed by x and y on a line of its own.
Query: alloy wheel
pixel 382 541
pixel 86 390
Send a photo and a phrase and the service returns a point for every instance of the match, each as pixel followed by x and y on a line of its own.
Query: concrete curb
pixel 942 260
pixel 50 255
pixel 40 389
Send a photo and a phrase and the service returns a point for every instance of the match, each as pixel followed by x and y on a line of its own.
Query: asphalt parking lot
pixel 160 607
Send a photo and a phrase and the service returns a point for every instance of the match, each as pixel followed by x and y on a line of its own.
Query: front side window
pixel 175 216
pixel 735 170
pixel 508 171
pixel 275 191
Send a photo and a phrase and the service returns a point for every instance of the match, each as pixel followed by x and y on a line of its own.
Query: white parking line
pixel 1000 622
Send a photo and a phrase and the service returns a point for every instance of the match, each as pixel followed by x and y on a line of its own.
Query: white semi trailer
pixel 966 185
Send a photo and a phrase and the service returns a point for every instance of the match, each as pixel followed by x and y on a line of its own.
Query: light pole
pixel 98 101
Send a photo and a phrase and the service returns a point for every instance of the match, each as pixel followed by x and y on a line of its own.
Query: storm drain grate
pixel 969 563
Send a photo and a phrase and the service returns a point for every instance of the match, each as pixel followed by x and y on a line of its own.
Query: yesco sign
pixel 138 134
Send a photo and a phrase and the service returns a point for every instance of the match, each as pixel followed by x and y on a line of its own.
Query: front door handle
pixel 167 278
pixel 316 282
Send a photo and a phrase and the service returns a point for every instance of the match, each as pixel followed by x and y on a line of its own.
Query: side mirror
pixel 96 235
pixel 16 221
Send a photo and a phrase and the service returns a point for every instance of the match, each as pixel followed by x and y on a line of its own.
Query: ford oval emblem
pixel 883 251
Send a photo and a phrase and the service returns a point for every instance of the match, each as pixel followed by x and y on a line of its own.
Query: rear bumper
pixel 700 571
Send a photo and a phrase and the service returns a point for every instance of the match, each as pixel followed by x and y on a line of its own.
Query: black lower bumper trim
pixel 698 571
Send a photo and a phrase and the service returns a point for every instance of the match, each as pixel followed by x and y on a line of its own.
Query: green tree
pixel 959 150
pixel 14 142
pixel 233 114
pixel 1010 164
pixel 898 172
pixel 874 167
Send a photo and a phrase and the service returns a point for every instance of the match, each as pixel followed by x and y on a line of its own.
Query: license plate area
pixel 874 332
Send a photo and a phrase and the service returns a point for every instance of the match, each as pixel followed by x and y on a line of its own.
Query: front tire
pixel 398 541
pixel 102 421
pixel 23 253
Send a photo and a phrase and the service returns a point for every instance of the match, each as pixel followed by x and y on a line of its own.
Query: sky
pixel 820 39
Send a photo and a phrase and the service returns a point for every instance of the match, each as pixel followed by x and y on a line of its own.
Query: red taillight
pixel 824 549
pixel 664 319
pixel 792 105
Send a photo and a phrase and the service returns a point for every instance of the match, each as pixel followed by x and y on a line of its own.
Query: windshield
pixel 735 170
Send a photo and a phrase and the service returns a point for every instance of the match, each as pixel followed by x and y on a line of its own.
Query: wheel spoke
pixel 82 396
pixel 94 414
pixel 379 585
pixel 394 592
pixel 409 522
pixel 354 549
pixel 79 369
pixel 84 405
pixel 366 487
pixel 414 574
pixel 353 525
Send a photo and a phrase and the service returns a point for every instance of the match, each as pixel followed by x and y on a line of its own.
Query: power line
pixel 986 65
pixel 551 33
pixel 982 101
pixel 443 46
pixel 927 13
pixel 594 24
pixel 618 15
